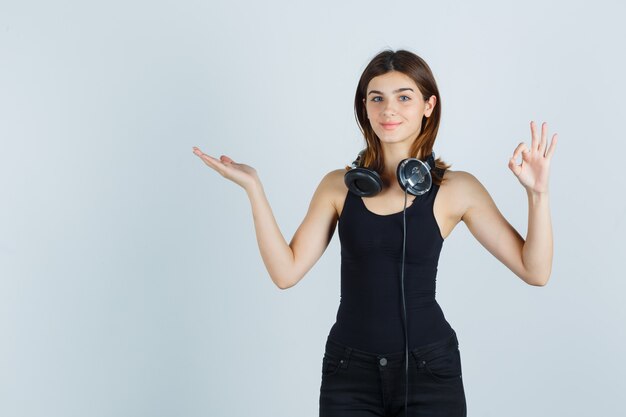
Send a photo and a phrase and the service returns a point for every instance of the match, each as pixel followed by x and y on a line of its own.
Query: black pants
pixel 364 384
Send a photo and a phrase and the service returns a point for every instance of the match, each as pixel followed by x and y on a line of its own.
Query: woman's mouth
pixel 390 126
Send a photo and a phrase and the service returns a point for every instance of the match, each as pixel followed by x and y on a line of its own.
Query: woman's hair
pixel 415 67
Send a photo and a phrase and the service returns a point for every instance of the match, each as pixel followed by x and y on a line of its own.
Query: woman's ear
pixel 430 105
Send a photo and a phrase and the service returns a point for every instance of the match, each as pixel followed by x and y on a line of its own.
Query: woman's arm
pixel 530 259
pixel 286 264
pixel 537 251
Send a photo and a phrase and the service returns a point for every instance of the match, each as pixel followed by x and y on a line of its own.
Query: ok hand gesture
pixel 534 170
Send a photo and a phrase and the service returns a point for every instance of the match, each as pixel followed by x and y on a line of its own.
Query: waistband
pixel 337 349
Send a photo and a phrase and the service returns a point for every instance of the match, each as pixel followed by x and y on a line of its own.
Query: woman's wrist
pixel 254 187
pixel 537 196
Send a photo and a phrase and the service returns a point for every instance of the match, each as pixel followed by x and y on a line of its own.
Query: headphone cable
pixel 406 338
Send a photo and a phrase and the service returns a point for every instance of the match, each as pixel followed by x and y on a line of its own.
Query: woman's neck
pixel 393 155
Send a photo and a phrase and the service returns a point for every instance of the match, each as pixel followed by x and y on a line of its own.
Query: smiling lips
pixel 390 126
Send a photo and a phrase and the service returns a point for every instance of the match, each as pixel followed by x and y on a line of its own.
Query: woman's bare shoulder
pixel 458 179
pixel 462 190
pixel 334 179
pixel 335 188
pixel 455 193
pixel 451 174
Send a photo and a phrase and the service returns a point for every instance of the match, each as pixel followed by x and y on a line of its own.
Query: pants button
pixel 383 361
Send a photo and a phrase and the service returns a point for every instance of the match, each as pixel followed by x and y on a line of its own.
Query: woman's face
pixel 395 107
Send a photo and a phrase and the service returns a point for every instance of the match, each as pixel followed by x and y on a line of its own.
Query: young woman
pixel 366 368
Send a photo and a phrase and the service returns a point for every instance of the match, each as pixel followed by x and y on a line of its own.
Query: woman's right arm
pixel 286 263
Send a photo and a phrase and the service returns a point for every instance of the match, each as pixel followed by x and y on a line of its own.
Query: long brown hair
pixel 415 67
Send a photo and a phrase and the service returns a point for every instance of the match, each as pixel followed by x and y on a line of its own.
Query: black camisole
pixel 370 312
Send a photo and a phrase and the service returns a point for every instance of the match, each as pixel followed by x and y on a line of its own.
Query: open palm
pixel 534 170
pixel 241 174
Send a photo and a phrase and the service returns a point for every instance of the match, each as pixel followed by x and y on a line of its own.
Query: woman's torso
pixel 370 313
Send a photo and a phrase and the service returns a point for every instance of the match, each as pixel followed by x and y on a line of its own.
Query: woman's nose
pixel 390 108
pixel 389 111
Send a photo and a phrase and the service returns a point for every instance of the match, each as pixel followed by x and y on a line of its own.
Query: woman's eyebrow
pixel 396 91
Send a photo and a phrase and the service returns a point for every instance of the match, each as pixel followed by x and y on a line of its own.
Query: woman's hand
pixel 241 174
pixel 534 170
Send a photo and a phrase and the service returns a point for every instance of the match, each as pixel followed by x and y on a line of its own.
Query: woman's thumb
pixel 226 159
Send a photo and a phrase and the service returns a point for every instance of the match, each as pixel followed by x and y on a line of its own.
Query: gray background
pixel 131 281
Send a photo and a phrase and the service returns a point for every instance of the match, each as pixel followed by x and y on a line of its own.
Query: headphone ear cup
pixel 363 182
pixel 414 176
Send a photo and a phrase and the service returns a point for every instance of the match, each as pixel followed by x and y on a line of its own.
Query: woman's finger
pixel 533 133
pixel 552 146
pixel 197 151
pixel 514 167
pixel 204 156
pixel 520 148
pixel 227 161
pixel 209 160
pixel 542 143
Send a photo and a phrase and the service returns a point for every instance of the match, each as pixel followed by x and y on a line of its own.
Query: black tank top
pixel 370 312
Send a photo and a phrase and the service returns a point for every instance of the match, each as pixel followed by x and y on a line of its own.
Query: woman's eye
pixel 377 101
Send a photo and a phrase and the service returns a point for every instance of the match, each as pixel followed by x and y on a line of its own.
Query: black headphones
pixel 413 175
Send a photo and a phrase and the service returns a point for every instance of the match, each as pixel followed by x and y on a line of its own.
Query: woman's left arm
pixel 531 259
